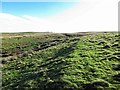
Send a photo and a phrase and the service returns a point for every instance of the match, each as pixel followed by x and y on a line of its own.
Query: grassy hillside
pixel 84 61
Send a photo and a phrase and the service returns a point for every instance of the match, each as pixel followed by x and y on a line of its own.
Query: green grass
pixel 87 62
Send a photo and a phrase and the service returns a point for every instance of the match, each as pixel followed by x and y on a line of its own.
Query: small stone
pixel 106 46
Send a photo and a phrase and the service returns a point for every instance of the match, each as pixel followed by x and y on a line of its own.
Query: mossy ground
pixel 62 61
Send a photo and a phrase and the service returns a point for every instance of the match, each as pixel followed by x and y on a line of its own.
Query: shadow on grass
pixel 47 75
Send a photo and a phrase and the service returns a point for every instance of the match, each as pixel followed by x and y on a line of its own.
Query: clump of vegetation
pixel 97 85
pixel 83 61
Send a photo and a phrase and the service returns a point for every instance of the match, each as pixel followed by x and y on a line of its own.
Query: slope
pixel 89 62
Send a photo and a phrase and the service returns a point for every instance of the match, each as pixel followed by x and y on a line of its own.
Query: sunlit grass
pixel 89 62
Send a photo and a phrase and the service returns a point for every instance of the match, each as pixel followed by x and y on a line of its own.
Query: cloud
pixel 87 15
pixel 11 23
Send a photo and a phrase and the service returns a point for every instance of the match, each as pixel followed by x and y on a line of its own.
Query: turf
pixel 81 61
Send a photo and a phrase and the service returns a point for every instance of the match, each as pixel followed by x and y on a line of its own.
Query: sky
pixel 60 17
pixel 37 9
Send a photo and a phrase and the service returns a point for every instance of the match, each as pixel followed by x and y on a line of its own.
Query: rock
pixel 106 46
